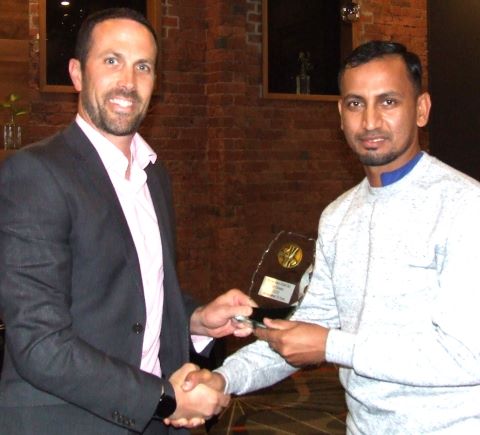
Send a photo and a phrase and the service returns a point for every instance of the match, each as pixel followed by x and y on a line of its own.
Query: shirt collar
pixel 110 155
pixel 391 177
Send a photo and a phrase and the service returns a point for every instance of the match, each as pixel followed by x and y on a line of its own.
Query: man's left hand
pixel 216 318
pixel 299 343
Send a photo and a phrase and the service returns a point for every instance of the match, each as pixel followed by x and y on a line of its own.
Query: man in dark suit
pixel 97 329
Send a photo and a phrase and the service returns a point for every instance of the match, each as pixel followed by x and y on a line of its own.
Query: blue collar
pixel 393 176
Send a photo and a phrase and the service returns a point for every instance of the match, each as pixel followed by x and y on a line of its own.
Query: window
pixel 59 24
pixel 304 42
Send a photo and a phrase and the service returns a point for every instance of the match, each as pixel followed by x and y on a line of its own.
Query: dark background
pixel 454 73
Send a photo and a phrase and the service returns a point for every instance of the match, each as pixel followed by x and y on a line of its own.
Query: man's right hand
pixel 196 403
pixel 211 379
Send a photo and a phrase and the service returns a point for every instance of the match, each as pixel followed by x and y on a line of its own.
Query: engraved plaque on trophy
pixel 281 278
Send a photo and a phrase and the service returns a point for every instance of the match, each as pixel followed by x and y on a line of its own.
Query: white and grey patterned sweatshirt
pixel 396 278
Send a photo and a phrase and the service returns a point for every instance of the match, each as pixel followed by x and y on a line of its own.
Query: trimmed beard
pixel 113 125
pixel 380 160
pixel 373 159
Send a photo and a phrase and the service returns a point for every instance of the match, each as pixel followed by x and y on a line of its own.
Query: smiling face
pixel 117 79
pixel 381 112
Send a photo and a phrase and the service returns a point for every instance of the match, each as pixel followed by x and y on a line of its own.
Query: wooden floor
pixel 310 402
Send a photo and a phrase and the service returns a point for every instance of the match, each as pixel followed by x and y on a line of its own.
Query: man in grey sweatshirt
pixel 395 294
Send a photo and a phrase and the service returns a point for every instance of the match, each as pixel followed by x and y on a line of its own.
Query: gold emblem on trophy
pixel 290 255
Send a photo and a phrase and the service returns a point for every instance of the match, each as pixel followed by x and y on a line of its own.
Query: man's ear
pixel 339 104
pixel 423 109
pixel 75 70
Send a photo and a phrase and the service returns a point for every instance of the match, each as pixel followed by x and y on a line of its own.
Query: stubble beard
pixel 118 124
pixel 372 158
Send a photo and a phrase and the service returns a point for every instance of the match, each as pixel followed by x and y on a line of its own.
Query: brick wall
pixel 243 167
pixel 404 21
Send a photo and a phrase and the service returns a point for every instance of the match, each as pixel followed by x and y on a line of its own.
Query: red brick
pixel 243 167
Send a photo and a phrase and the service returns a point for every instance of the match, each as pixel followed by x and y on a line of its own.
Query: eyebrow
pixel 379 96
pixel 352 97
pixel 390 94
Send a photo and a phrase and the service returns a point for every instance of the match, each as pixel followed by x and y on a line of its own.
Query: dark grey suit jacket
pixel 71 295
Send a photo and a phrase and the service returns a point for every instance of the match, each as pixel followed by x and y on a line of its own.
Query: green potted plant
pixel 12 133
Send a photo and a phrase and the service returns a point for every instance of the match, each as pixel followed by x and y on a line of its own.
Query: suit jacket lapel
pixel 93 168
pixel 174 349
pixel 161 205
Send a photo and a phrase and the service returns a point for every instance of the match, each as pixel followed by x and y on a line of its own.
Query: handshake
pixel 199 394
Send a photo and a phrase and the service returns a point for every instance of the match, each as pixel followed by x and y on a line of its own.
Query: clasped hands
pixel 299 343
pixel 195 403
pixel 215 319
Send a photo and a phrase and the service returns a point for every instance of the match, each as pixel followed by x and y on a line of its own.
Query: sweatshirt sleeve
pixel 253 367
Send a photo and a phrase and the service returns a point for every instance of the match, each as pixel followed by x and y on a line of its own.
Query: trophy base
pixel 258 314
pixel 272 313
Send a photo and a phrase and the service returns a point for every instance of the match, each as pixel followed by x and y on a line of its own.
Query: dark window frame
pixel 46 51
pixel 344 46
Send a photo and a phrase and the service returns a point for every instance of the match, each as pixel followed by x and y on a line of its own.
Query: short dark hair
pixel 378 49
pixel 84 36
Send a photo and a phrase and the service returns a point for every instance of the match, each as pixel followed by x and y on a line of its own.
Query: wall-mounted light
pixel 65 3
pixel 350 12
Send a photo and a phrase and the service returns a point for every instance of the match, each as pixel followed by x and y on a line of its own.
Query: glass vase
pixel 12 136
pixel 303 84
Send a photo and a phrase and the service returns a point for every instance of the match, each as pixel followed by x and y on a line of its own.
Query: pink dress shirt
pixel 137 206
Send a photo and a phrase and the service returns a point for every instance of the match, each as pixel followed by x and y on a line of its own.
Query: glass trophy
pixel 281 278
